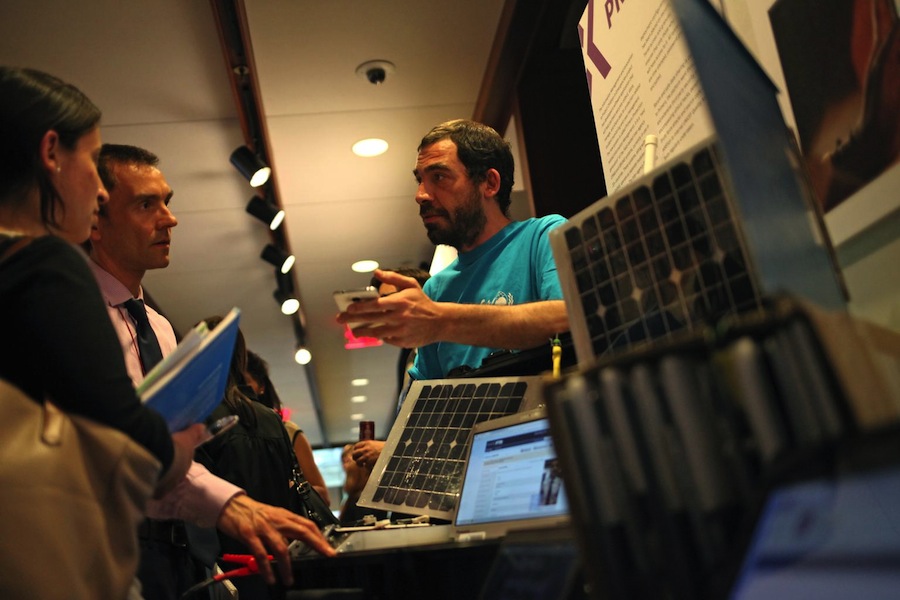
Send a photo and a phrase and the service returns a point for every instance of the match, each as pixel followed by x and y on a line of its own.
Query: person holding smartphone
pixel 365 453
pixel 501 293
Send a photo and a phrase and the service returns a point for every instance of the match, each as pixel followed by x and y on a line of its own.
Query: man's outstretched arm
pixel 410 319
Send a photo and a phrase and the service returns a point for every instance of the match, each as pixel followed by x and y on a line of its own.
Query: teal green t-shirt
pixel 515 266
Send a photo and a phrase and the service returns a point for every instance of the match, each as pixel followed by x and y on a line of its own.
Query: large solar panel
pixel 665 254
pixel 713 231
pixel 420 469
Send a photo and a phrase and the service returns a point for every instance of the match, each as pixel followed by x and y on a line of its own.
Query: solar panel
pixel 420 468
pixel 664 255
pixel 713 231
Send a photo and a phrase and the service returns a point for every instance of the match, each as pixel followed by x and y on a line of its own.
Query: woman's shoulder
pixel 50 264
pixel 44 250
pixel 292 428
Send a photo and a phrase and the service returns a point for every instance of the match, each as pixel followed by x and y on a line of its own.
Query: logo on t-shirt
pixel 501 299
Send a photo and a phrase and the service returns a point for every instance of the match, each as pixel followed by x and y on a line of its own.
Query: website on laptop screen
pixel 512 474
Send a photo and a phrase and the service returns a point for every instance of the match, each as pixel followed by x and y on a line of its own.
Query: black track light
pixel 266 212
pixel 278 257
pixel 289 304
pixel 250 166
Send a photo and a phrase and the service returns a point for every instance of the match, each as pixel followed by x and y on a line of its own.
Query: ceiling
pixel 158 72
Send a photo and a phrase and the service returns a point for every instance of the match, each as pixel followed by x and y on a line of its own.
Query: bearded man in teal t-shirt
pixel 501 292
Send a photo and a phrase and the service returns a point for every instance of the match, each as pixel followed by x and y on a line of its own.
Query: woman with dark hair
pixel 58 342
pixel 255 454
pixel 257 376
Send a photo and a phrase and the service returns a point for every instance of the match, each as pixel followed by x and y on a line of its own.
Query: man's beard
pixel 465 224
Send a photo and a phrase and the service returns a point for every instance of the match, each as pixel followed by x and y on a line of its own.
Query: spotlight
pixel 289 304
pixel 278 257
pixel 266 212
pixel 302 356
pixel 250 166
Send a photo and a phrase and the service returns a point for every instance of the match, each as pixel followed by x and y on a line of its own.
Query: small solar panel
pixel 420 468
pixel 663 255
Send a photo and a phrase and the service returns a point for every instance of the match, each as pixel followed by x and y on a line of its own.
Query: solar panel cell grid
pixel 424 470
pixel 660 257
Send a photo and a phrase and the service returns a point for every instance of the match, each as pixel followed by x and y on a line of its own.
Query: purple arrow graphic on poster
pixel 593 52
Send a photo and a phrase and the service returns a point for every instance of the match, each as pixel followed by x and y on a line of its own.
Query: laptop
pixel 511 483
pixel 421 465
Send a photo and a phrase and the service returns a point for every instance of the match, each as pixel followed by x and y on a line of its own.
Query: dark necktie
pixel 148 345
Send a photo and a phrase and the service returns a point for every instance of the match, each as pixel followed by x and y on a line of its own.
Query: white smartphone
pixel 344 298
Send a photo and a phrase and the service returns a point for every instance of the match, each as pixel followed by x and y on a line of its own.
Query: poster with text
pixel 642 81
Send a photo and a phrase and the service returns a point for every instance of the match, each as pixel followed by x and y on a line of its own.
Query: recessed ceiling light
pixel 370 147
pixel 358 399
pixel 357 416
pixel 359 382
pixel 364 266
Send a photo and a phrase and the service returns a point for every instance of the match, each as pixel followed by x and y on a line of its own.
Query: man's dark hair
pixel 479 148
pixel 125 155
pixel 420 275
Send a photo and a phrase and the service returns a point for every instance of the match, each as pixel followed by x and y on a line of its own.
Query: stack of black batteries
pixel 669 451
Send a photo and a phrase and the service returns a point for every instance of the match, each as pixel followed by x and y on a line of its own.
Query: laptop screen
pixel 512 474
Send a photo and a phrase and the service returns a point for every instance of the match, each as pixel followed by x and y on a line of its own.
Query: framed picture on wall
pixel 841 66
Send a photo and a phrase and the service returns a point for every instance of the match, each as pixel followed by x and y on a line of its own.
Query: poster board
pixel 642 82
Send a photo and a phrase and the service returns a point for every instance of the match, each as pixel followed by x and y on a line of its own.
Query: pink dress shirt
pixel 200 496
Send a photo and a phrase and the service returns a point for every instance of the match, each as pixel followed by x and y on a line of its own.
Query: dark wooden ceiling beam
pixel 535 72
pixel 237 49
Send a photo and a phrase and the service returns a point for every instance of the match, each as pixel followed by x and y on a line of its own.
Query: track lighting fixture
pixel 285 295
pixel 278 257
pixel 302 356
pixel 289 304
pixel 266 212
pixel 250 166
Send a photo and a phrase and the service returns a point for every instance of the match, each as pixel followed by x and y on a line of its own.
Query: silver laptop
pixel 511 482
pixel 421 466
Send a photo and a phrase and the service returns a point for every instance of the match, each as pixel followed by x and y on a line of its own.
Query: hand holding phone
pixel 344 298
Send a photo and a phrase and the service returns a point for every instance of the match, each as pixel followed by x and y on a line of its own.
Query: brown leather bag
pixel 73 493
